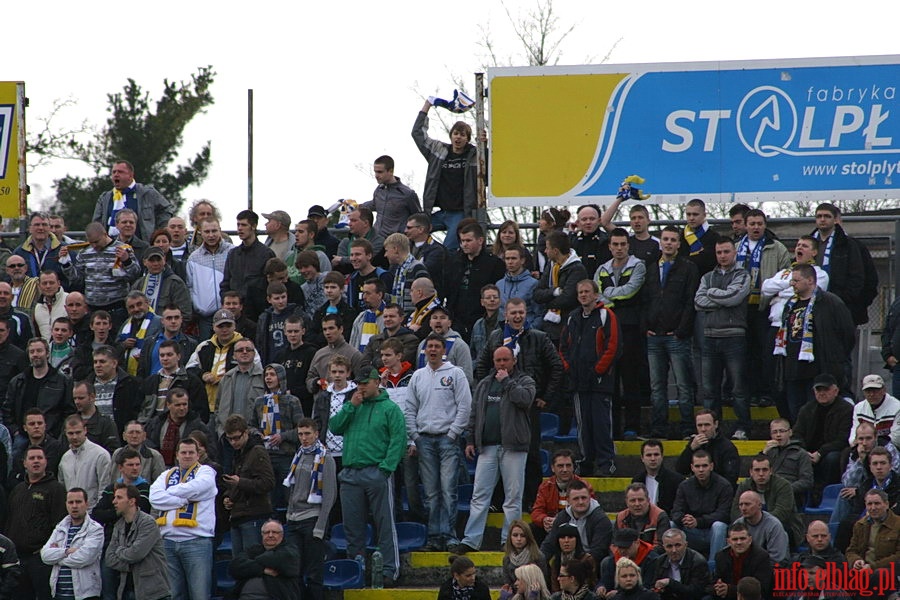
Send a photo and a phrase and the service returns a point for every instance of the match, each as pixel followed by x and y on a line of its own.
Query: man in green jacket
pixel 374 433
pixel 777 494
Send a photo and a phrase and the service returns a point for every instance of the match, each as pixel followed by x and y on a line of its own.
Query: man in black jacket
pixel 590 241
pixel 841 258
pixel 681 573
pixel 244 264
pixel 12 360
pixel 556 291
pixel 723 451
pixel 269 569
pixel 742 558
pixel 668 320
pixel 172 375
pixel 702 504
pixel 42 387
pixel 590 347
pixel 470 270
pixel 823 428
pixel 661 481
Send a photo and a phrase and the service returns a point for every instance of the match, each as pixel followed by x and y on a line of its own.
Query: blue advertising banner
pixel 817 129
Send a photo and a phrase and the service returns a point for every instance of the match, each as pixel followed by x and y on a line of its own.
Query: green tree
pixel 150 137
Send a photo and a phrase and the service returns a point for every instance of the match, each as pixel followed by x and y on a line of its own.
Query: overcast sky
pixel 337 84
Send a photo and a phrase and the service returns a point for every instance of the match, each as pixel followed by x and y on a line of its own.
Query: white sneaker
pixel 739 434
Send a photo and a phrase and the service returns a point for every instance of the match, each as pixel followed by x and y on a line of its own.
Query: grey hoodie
pixel 439 402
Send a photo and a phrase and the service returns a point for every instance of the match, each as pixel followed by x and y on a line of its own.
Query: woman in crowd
pixel 520 549
pixel 463 583
pixel 574 581
pixel 509 236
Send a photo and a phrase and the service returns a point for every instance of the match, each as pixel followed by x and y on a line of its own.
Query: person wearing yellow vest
pixel 185 495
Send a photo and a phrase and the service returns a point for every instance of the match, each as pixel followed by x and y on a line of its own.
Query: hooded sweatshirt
pixel 439 402
pixel 519 286
pixel 289 414
pixel 374 433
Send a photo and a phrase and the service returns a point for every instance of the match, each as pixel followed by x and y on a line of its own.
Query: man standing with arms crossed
pixel 185 494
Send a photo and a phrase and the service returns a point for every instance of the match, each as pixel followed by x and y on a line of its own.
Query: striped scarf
pixel 511 337
pixel 447 347
pixel 750 261
pixel 418 316
pixel 400 279
pixel 152 286
pixel 692 237
pixel 133 355
pixel 119 200
pixel 316 477
pixel 806 341
pixel 270 423
pixel 187 514
pixel 826 255
pixel 370 325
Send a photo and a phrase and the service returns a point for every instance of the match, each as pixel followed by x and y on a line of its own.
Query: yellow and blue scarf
pixel 370 325
pixel 692 237
pixel 187 514
pixel 133 355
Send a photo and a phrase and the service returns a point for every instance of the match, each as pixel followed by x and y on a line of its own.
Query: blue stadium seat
pixel 339 538
pixel 549 426
pixel 545 463
pixel 411 536
pixel 829 500
pixel 225 544
pixel 224 580
pixel 464 497
pixel 571 438
pixel 343 574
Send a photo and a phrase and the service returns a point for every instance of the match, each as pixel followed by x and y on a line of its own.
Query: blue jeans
pixel 438 469
pixel 662 351
pixel 364 489
pixel 729 354
pixel 246 534
pixel 707 541
pixel 449 219
pixel 190 567
pixel 494 462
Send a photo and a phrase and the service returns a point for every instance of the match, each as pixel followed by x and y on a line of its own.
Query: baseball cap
pixel 368 376
pixel 624 538
pixel 316 210
pixel 223 316
pixel 443 309
pixel 871 382
pixel 154 251
pixel 280 216
pixel 824 380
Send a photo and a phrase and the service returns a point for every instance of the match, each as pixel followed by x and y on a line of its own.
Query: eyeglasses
pixel 243 349
pixel 234 438
pixel 780 430
pixel 15 265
